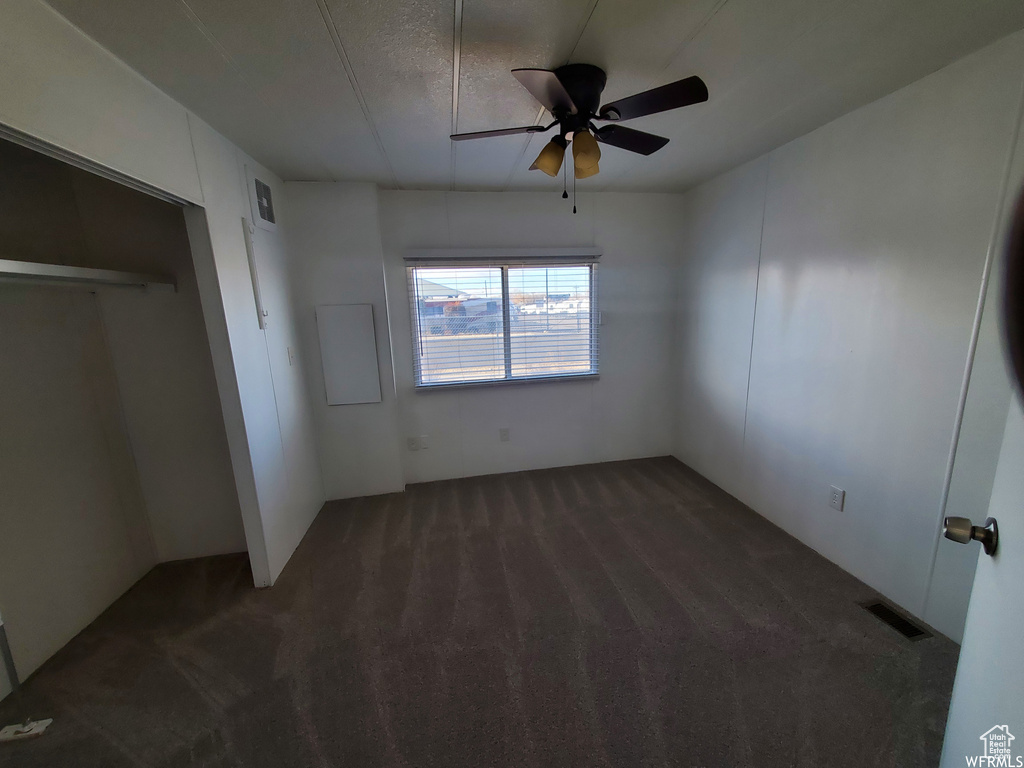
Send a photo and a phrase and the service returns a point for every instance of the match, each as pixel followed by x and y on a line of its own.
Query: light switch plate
pixel 837 498
pixel 503 435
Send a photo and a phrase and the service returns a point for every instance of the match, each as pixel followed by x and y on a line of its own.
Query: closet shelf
pixel 31 271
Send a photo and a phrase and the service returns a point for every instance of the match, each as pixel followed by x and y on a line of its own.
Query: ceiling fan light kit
pixel 585 155
pixel 550 158
pixel 572 94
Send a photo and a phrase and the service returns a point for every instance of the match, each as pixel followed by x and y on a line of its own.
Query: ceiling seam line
pixel 701 26
pixel 583 29
pixel 839 8
pixel 205 31
pixel 750 129
pixel 456 77
pixel 346 64
pixel 540 114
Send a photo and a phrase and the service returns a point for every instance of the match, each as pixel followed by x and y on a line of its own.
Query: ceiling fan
pixel 572 94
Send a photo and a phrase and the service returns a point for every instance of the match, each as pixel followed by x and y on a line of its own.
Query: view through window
pixel 502 322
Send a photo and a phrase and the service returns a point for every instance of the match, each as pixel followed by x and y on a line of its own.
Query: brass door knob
pixel 961 530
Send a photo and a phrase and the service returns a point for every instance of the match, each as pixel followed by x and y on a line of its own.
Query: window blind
pixel 502 322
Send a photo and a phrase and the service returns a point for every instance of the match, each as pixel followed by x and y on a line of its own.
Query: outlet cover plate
pixel 836 498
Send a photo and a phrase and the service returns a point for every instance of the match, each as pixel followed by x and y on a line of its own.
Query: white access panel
pixel 348 347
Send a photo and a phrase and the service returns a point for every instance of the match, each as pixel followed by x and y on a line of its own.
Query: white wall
pixel 871 226
pixel 351 250
pixel 61 87
pixel 127 369
pixel 157 342
pixel 865 242
pixel 272 442
pixel 626 413
pixel 161 356
pixel 335 236
pixel 277 267
pixel 717 287
pixel 73 529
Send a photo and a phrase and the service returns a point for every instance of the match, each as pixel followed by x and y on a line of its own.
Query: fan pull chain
pixel 565 170
pixel 574 190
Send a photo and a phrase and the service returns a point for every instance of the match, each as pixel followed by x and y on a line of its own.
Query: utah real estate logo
pixel 998 752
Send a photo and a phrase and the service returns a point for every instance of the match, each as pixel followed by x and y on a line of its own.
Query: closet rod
pixel 36 272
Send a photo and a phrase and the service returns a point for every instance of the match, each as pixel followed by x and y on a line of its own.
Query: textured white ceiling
pixel 368 90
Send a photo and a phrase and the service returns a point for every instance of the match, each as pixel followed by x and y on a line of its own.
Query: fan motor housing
pixel 584 84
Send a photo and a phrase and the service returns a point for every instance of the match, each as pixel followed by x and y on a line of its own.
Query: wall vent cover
pixel 265 202
pixel 900 623
pixel 261 199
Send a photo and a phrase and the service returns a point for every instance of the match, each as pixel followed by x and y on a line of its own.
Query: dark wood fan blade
pixel 681 93
pixel 626 138
pixel 499 132
pixel 546 88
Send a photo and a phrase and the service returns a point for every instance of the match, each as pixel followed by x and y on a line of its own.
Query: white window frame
pixel 504 259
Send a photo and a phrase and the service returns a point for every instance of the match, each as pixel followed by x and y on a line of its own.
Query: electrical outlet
pixel 837 498
pixel 414 443
pixel 503 435
pixel 424 442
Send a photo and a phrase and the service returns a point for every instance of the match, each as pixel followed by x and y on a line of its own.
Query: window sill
pixel 506 382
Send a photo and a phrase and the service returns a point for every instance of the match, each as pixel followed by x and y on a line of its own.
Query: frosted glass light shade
pixel 585 154
pixel 550 158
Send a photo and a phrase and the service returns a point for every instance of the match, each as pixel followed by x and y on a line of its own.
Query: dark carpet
pixel 627 614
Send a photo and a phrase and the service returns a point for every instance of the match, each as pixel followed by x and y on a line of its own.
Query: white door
pixel 989 688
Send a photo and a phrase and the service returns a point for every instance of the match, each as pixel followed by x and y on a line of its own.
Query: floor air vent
pixel 904 626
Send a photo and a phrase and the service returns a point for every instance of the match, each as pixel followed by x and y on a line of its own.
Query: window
pixel 502 322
